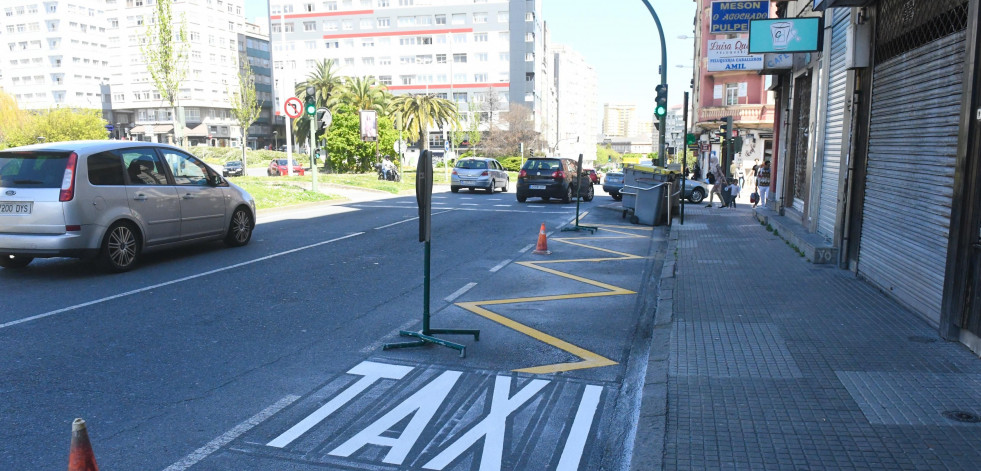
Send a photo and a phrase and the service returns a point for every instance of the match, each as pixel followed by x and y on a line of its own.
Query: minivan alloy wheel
pixel 240 229
pixel 121 248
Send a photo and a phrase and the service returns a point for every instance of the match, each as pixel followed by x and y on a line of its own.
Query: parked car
pixel 233 168
pixel 111 201
pixel 695 191
pixel 593 176
pixel 278 167
pixel 476 172
pixel 613 184
pixel 548 177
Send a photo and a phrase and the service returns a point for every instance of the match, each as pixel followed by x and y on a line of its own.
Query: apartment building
pixel 55 54
pixel 213 28
pixel 462 50
pixel 619 120
pixel 576 96
pixel 254 48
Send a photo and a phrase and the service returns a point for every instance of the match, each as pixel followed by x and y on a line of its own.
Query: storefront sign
pixel 778 61
pixel 732 54
pixel 753 62
pixel 734 16
pixel 785 35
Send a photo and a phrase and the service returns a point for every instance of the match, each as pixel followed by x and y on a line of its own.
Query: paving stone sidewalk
pixel 777 363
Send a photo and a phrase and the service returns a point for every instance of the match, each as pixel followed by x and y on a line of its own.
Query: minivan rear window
pixel 32 169
pixel 105 168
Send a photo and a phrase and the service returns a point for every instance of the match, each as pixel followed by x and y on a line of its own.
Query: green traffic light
pixel 311 109
pixel 660 111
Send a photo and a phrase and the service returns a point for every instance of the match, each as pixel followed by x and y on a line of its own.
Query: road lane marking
pixel 459 292
pixel 227 437
pixel 407 220
pixel 588 359
pixel 171 282
pixel 502 205
pixel 500 266
pixel 527 248
pixel 575 443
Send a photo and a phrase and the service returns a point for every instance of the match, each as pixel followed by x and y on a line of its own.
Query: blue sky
pixel 619 39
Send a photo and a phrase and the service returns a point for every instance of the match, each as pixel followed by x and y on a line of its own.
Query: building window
pixel 732 94
pixel 459 18
pixel 365 23
pixel 460 58
pixel 368 60
pixel 440 58
pixel 460 97
pixel 441 19
pixel 384 22
pixel 529 37
pixel 480 17
pixel 529 56
pixel 502 17
pixel 480 78
pixel 385 61
pixel 407 79
pixel 385 79
pixel 330 6
pixel 309 26
pixel 383 3
pixel 479 37
pixel 530 16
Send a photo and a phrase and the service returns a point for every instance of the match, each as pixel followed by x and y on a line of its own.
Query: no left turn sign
pixel 293 107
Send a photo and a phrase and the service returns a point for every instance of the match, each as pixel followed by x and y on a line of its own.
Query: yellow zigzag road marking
pixel 589 359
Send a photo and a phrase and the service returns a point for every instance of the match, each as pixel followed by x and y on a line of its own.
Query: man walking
pixel 763 183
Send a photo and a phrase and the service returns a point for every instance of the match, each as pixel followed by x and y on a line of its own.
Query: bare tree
pixel 516 127
pixel 164 48
pixel 245 105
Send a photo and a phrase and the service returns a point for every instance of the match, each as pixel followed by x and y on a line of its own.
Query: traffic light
pixel 661 100
pixel 311 104
pixel 725 129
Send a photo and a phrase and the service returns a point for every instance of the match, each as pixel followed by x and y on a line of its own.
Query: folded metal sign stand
pixel 577 227
pixel 424 196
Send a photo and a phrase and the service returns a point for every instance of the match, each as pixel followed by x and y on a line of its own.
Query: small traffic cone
pixel 542 247
pixel 80 456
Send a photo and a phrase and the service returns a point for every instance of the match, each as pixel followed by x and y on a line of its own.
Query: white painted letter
pixel 422 406
pixel 492 428
pixel 371 371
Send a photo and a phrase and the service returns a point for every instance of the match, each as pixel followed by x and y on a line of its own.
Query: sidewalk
pixel 776 363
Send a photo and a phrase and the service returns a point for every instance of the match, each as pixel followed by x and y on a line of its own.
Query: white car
pixel 111 200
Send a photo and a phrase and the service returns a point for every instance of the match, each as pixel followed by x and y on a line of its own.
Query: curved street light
pixel 664 78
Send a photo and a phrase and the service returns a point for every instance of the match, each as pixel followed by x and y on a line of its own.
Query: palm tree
pixel 365 93
pixel 418 112
pixel 327 86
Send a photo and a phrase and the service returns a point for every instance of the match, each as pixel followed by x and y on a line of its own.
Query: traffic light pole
pixel 661 160
pixel 313 151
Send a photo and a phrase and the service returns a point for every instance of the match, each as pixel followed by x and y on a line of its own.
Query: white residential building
pixel 54 54
pixel 460 50
pixel 620 120
pixel 213 28
pixel 576 91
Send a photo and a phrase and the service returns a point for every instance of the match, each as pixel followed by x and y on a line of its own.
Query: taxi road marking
pixel 589 359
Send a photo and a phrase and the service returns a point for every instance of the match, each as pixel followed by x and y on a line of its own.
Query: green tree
pixel 345 149
pixel 11 117
pixel 327 87
pixel 57 125
pixel 606 155
pixel 472 135
pixel 245 104
pixel 164 48
pixel 421 111
pixel 365 93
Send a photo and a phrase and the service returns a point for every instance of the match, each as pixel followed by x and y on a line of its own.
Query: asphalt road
pixel 270 356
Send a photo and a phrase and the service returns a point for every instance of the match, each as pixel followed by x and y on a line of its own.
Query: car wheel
pixel 14 261
pixel 589 194
pixel 567 198
pixel 697 195
pixel 521 198
pixel 121 248
pixel 240 229
pixel 268 173
pixel 455 189
pixel 505 189
pixel 491 188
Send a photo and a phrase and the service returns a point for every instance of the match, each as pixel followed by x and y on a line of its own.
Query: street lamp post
pixel 275 140
pixel 664 78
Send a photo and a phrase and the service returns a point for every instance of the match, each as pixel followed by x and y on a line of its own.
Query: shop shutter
pixel 914 122
pixel 834 126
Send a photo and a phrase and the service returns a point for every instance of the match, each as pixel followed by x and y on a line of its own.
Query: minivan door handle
pixel 140 197
pixel 188 196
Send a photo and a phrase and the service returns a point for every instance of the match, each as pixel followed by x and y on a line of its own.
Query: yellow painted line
pixel 589 359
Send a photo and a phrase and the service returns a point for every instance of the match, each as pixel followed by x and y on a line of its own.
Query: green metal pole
pixel 664 81
pixel 425 289
pixel 313 150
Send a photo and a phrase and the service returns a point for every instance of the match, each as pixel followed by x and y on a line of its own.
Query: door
pixel 202 204
pixel 152 199
pixel 798 189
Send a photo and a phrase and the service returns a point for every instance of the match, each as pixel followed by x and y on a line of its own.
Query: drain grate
pixel 962 416
pixel 921 339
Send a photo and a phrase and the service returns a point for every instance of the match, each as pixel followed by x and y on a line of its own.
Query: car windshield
pixel 472 164
pixel 542 164
pixel 32 169
pixel 283 162
pixel 233 163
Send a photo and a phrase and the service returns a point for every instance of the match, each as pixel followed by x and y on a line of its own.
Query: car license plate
pixel 15 208
pixel 536 187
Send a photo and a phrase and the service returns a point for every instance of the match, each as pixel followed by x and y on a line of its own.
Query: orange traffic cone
pixel 81 457
pixel 542 247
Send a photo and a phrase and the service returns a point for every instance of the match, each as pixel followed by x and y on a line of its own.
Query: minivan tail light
pixel 484 173
pixel 522 174
pixel 73 228
pixel 68 181
pixel 559 175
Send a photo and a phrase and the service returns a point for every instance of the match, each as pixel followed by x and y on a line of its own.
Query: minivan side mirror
pixel 214 179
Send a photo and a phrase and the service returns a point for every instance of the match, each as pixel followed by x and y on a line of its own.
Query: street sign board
pixel 446 146
pixel 785 35
pixel 734 16
pixel 293 107
pixel 327 117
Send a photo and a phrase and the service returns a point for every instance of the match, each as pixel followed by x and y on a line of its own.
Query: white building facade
pixel 619 120
pixel 55 54
pixel 460 50
pixel 576 97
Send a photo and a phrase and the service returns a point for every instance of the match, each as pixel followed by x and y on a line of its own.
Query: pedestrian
pixel 763 183
pixel 696 173
pixel 733 190
pixel 716 178
pixel 756 168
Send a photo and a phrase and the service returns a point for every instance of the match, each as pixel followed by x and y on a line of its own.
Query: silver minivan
pixel 111 200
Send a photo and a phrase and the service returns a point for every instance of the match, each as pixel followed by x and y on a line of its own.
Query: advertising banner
pixel 369 126
pixel 734 16
pixel 732 54
pixel 785 35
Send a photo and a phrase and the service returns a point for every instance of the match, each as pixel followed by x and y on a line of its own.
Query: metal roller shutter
pixel 834 125
pixel 916 105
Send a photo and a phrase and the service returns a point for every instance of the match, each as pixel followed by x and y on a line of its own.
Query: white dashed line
pixel 526 248
pixel 500 266
pixel 459 292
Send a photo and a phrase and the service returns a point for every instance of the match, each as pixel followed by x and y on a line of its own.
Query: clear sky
pixel 619 39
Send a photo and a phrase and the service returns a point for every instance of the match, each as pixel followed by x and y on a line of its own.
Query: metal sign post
pixel 424 196
pixel 684 162
pixel 577 227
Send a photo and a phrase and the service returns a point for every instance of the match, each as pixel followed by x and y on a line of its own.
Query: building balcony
pixel 742 115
